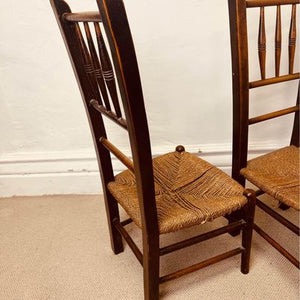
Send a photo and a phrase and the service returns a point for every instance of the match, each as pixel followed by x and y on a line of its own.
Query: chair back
pixel 101 49
pixel 240 72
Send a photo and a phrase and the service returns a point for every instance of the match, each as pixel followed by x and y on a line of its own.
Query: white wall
pixel 183 50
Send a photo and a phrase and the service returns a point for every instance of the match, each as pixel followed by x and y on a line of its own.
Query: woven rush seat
pixel 188 191
pixel 277 173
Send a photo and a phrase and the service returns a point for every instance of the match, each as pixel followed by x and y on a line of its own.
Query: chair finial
pixel 180 148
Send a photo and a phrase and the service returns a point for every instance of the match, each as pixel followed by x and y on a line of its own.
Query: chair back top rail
pixel 261 3
pixel 89 16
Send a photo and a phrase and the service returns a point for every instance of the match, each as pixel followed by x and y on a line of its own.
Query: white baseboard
pixel 74 172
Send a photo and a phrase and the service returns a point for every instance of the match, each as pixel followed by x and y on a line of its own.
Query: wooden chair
pixel 276 173
pixel 166 194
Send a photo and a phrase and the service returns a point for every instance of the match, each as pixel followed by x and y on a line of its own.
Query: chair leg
pixel 233 217
pixel 249 211
pixel 112 212
pixel 151 268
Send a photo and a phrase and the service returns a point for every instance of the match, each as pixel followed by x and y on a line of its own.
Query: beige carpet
pixel 57 247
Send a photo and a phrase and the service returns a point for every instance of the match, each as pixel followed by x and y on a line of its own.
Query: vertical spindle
pixel 278 41
pixel 292 39
pixel 96 65
pixel 262 43
pixel 88 64
pixel 107 70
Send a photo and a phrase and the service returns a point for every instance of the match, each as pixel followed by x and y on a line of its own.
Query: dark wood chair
pixel 276 173
pixel 166 194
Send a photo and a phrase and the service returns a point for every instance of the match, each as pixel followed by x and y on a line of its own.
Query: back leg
pixel 249 211
pixel 112 212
